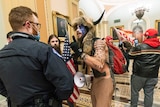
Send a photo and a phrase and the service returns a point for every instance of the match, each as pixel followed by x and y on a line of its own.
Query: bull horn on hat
pixel 96 22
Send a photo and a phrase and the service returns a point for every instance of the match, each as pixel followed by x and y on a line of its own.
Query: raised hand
pixel 75 47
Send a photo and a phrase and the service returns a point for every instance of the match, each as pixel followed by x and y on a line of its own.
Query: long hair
pixel 57 48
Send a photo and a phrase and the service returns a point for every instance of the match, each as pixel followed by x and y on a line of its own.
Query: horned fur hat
pixel 86 41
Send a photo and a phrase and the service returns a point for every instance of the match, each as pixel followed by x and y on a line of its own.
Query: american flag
pixel 125 35
pixel 70 64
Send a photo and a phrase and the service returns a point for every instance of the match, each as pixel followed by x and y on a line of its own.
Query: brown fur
pixel 87 40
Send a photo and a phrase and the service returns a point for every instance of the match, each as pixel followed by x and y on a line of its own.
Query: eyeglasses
pixel 38 24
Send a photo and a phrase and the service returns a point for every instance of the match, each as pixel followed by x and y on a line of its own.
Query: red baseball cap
pixel 151 32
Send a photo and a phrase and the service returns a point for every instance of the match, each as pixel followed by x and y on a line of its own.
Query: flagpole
pixel 71 66
pixel 67 35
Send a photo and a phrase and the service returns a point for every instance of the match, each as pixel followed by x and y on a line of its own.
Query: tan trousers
pixel 101 92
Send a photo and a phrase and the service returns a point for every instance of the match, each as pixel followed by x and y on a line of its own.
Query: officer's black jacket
pixel 29 68
pixel 146 60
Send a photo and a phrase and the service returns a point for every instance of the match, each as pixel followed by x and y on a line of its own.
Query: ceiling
pixel 115 2
pixel 96 7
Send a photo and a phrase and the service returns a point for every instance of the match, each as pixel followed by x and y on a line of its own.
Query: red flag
pixel 70 64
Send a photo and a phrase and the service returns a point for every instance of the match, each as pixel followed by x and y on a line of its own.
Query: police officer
pixel 31 74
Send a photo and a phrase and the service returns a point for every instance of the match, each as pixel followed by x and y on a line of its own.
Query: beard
pixel 57 48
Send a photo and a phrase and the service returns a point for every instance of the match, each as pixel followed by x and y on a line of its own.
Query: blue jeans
pixel 147 84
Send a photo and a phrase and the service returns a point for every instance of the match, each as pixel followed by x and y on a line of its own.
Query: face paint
pixel 83 29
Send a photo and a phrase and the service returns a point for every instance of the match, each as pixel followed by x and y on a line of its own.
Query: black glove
pixel 74 46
